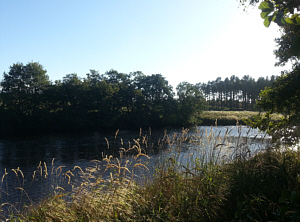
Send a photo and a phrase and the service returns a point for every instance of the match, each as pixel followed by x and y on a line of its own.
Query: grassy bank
pixel 197 177
pixel 229 117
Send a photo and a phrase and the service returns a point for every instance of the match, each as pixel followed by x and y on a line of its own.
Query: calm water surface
pixel 71 150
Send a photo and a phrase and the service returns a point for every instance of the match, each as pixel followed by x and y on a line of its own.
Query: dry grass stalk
pixel 189 181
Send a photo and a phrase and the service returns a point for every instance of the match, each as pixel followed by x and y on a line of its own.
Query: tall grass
pixel 200 176
pixel 230 117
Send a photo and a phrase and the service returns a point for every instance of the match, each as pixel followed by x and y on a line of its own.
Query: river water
pixel 22 159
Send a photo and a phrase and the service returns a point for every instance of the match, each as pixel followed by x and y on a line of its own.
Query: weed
pixel 200 176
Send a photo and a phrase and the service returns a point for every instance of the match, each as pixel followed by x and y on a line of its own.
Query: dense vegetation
pixel 231 118
pixel 284 95
pixel 234 93
pixel 202 176
pixel 30 103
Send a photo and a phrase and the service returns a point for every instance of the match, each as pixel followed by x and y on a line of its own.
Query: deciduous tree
pixel 283 96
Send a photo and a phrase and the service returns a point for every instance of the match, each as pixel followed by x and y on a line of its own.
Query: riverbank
pixel 205 118
pixel 201 177
pixel 226 118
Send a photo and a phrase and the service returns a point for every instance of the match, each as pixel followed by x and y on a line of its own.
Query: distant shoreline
pixel 209 118
pixel 224 118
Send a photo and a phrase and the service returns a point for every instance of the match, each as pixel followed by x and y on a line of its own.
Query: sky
pixel 191 40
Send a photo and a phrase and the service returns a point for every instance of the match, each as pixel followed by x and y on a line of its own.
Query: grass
pixel 229 117
pixel 198 177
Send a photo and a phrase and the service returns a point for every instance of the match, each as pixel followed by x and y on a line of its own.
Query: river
pixel 30 156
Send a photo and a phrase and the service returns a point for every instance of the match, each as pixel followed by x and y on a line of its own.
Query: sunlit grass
pixel 232 116
pixel 198 176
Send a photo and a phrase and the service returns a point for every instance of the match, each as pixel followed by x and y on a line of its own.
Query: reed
pixel 200 176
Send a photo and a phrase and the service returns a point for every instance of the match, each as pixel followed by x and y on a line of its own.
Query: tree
pixel 23 101
pixel 288 45
pixel 191 102
pixel 23 85
pixel 282 12
pixel 154 99
pixel 234 93
pixel 283 96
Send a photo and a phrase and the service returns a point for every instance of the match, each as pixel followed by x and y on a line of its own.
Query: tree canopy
pixel 30 103
pixel 283 96
pixel 281 12
pixel 235 93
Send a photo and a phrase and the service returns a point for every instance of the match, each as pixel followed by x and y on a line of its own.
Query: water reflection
pixel 80 149
pixel 216 144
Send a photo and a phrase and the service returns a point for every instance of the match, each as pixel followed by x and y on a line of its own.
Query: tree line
pixel 234 93
pixel 31 103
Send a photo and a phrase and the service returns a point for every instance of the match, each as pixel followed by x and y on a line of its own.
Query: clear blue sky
pixel 192 40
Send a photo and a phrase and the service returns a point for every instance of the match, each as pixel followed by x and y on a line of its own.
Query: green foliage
pixel 289 203
pixel 288 45
pixel 200 177
pixel 269 14
pixel 257 185
pixel 22 94
pixel 191 102
pixel 30 103
pixel 23 85
pixel 284 98
pixel 281 12
pixel 234 93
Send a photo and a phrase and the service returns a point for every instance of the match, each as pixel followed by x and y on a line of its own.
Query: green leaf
pixel 294 16
pixel 281 22
pixel 298 20
pixel 267 21
pixel 293 20
pixel 264 15
pixel 280 19
pixel 289 21
pixel 263 5
pixel 266 5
